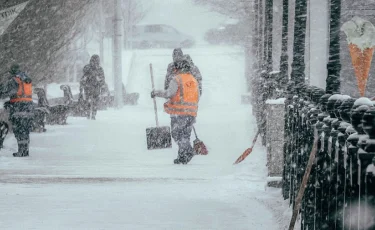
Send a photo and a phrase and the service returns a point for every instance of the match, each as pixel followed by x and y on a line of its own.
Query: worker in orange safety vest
pixel 182 105
pixel 20 106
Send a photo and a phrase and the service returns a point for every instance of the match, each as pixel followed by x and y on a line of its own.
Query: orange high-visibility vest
pixel 24 92
pixel 185 101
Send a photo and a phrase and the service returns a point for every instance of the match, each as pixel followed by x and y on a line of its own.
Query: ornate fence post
pixel 293 149
pixel 351 215
pixel 368 162
pixel 344 114
pixel 336 159
pixel 288 139
pixel 320 160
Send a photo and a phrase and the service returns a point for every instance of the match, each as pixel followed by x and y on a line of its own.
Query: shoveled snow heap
pixel 279 101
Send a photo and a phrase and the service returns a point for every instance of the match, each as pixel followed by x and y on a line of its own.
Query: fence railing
pixel 340 192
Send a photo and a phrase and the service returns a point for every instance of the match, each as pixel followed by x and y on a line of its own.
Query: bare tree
pixel 38 36
pixel 133 11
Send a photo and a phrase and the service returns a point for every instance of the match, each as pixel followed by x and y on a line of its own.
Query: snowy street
pixel 100 175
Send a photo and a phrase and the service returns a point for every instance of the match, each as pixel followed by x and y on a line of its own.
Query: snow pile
pixel 363 101
pixel 279 101
pixel 339 97
pixel 359 32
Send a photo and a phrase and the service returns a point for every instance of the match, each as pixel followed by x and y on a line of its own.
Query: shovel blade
pixel 200 148
pixel 158 138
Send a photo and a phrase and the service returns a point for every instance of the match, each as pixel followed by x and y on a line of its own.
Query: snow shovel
pixel 199 147
pixel 247 151
pixel 158 137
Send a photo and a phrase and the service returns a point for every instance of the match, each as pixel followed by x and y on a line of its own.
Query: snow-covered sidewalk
pixel 99 174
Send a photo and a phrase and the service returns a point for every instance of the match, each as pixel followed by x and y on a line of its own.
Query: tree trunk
pixel 260 34
pixel 284 67
pixel 269 13
pixel 298 65
pixel 334 66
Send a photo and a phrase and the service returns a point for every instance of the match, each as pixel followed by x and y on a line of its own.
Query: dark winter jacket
pixel 171 72
pixel 17 109
pixel 93 78
pixel 197 74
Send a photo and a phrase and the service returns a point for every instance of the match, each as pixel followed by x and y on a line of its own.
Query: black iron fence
pixel 340 192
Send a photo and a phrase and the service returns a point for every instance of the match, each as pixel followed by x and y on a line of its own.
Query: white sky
pixel 185 16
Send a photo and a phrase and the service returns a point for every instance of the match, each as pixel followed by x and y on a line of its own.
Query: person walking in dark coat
pixel 20 106
pixel 182 105
pixel 171 70
pixel 92 82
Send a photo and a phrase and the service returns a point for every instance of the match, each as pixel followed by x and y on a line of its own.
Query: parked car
pixel 229 34
pixel 159 36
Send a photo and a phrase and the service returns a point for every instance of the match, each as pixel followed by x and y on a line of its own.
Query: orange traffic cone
pixel 361 60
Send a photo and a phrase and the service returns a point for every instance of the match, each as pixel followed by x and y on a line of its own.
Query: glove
pixel 153 94
pixel 7 105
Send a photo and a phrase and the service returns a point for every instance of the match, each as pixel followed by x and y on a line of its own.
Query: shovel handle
pixel 153 88
pixel 195 133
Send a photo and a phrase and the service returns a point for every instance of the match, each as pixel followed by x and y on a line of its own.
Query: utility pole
pixel 130 26
pixel 101 31
pixel 117 54
pixel 334 66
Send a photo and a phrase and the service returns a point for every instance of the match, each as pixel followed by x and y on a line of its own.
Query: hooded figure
pixel 21 107
pixel 182 105
pixel 195 71
pixel 171 70
pixel 91 83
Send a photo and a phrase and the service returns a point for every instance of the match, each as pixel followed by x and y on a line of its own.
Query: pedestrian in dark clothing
pixel 171 70
pixel 20 106
pixel 92 82
pixel 195 71
pixel 183 95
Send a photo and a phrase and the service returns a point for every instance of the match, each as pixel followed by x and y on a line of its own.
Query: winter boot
pixel 23 151
pixel 189 156
pixel 93 115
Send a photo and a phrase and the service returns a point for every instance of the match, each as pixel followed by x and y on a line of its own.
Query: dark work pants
pixel 181 130
pixel 21 128
pixel 21 116
pixel 92 100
